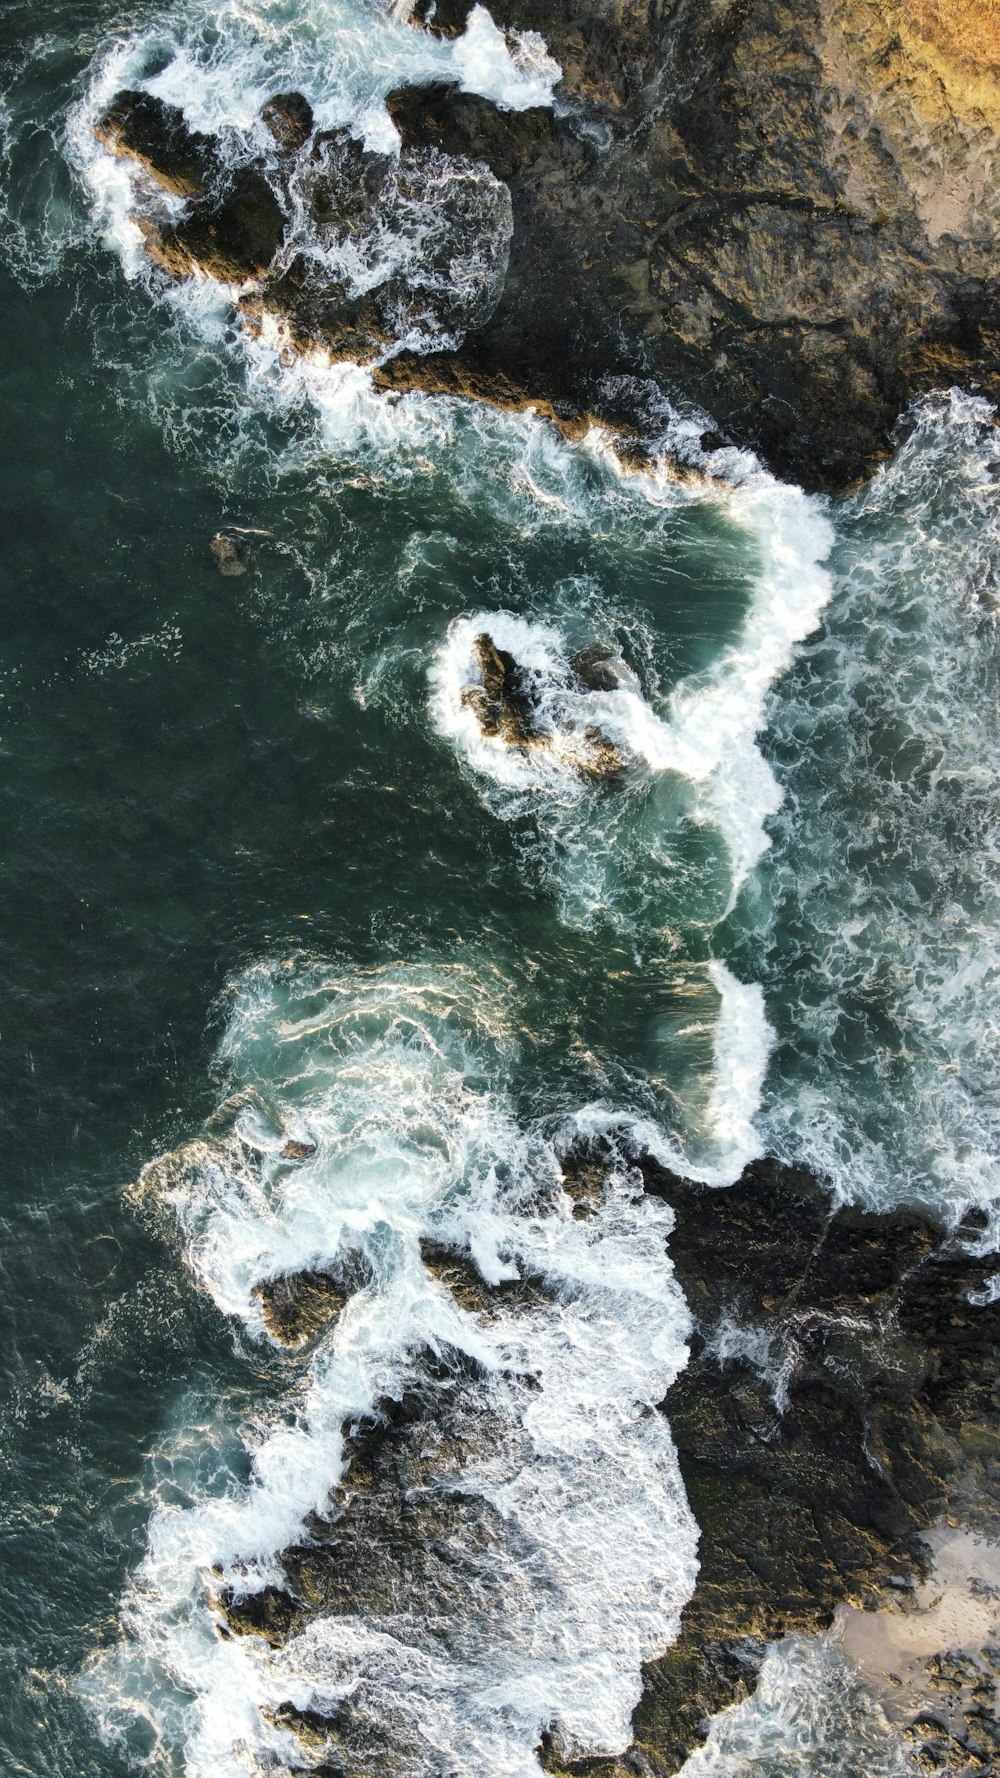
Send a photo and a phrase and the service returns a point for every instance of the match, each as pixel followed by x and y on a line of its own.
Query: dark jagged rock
pixel 442 117
pixel 786 215
pixel 317 315
pixel 446 18
pixel 506 703
pixel 289 118
pixel 232 235
pixel 147 130
pixel 272 1614
pixel 296 1150
pixel 888 1404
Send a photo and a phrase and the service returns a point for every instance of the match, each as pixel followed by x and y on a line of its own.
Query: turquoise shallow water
pixel 213 785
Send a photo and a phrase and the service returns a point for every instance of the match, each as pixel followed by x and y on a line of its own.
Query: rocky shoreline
pixel 785 216
pixel 842 1398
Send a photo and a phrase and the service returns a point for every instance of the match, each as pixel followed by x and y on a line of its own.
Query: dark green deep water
pixel 200 773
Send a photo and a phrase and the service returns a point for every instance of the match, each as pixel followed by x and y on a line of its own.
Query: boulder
pixel 228 554
pixel 289 118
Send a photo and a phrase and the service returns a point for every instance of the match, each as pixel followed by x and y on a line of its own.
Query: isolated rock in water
pixel 506 704
pixel 155 134
pixel 289 117
pixel 294 1150
pixel 298 1306
pixel 228 553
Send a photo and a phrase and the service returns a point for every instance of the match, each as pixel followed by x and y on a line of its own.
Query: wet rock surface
pixel 843 1396
pixel 507 701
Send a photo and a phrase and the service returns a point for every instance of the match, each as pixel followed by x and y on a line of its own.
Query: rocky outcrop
pixel 298 1306
pixel 843 1395
pixel 508 701
pixel 784 214
pixel 146 129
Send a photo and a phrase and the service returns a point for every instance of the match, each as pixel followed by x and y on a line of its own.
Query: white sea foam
pixel 742 1044
pixel 809 1717
pixel 715 717
pixel 880 905
pixel 396 1076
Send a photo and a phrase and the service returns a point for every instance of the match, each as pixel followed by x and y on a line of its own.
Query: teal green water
pixel 205 775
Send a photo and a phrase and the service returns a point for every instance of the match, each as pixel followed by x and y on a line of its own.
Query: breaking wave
pixel 548 1548
pixel 880 902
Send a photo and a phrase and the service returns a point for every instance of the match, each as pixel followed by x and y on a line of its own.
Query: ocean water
pixel 266 879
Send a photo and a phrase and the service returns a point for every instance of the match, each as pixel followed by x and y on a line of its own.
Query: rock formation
pixel 507 701
pixel 843 1395
pixel 786 215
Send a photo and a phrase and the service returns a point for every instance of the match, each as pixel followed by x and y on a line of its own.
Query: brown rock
pixel 506 703
pixel 228 553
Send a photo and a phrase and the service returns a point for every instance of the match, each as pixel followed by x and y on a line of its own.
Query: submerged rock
pixel 229 554
pixel 599 669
